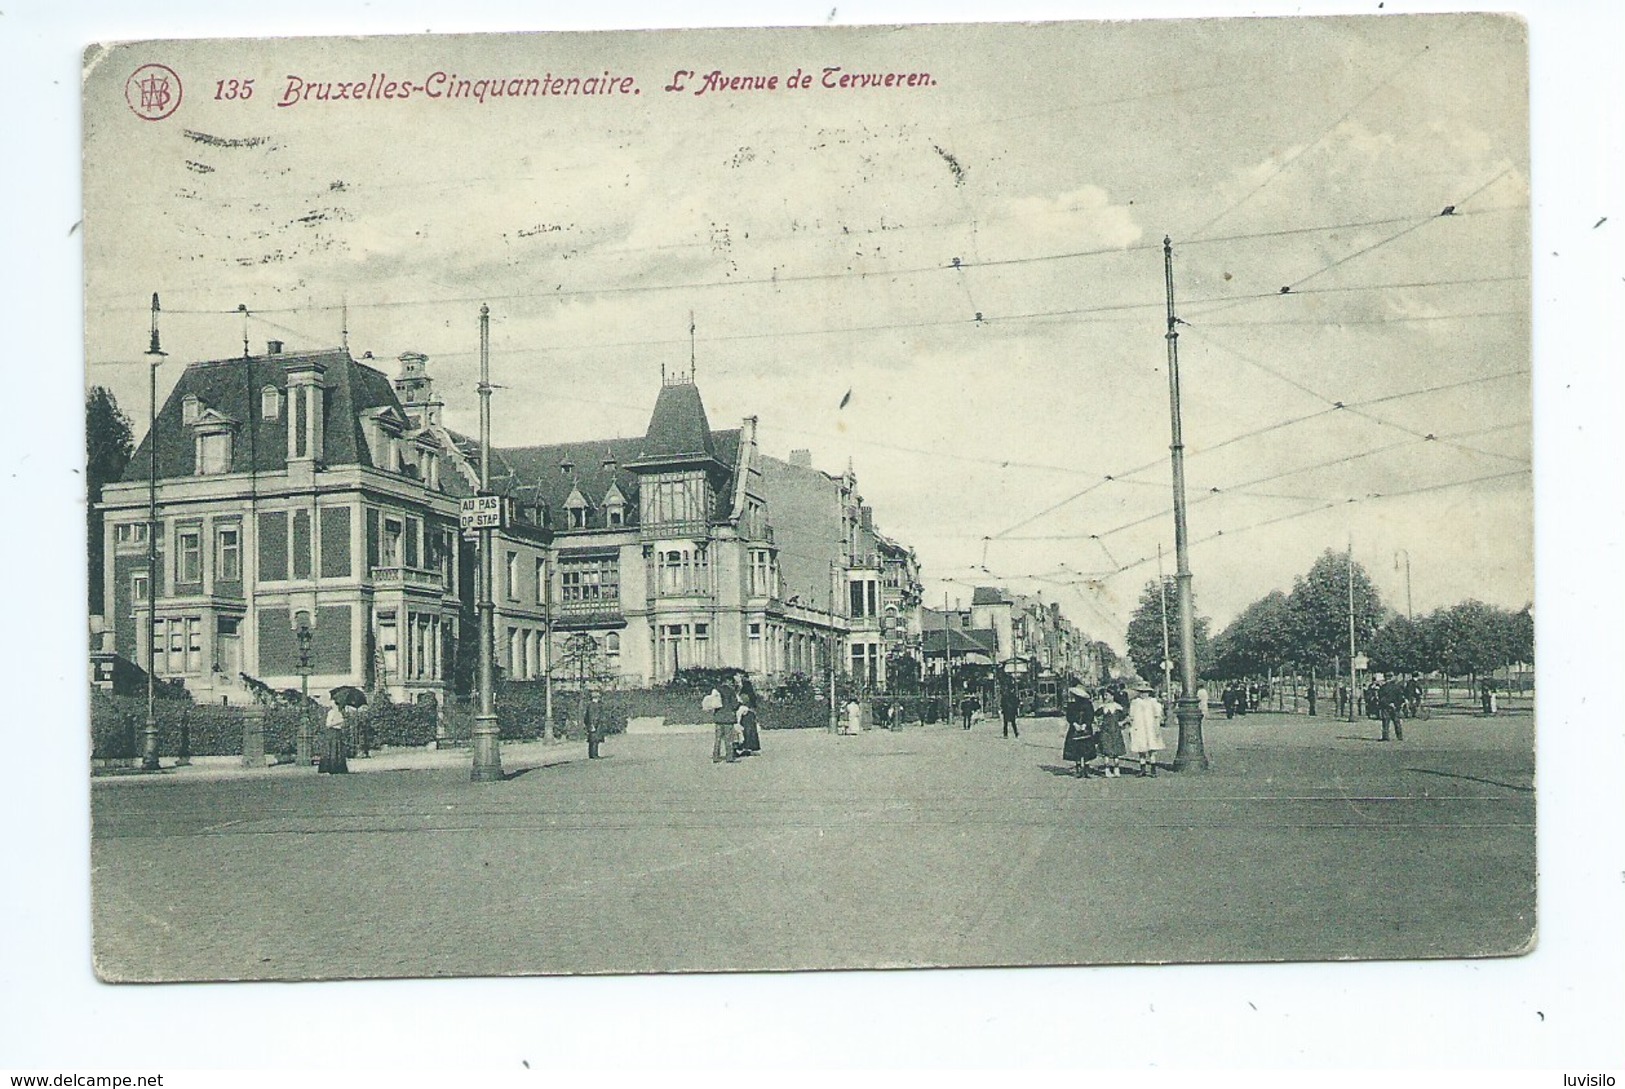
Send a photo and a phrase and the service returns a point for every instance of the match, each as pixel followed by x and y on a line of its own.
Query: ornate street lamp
pixel 304 633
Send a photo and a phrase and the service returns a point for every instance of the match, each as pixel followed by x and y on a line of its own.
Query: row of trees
pixel 1308 629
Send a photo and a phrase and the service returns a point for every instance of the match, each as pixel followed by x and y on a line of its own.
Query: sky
pixel 957 287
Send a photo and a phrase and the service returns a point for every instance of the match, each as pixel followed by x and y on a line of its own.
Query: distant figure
pixel 1486 699
pixel 1229 698
pixel 1201 703
pixel 750 742
pixel 1312 711
pixel 1342 700
pixel 1413 696
pixel 1144 728
pixel 1390 701
pixel 854 718
pixel 1009 703
pixel 723 747
pixel 967 708
pixel 332 761
pixel 592 716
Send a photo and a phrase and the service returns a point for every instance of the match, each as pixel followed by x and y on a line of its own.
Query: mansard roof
pixel 678 428
pixel 547 475
pixel 233 388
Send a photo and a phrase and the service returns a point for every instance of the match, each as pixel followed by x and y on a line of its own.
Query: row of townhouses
pixel 307 527
pixel 1024 636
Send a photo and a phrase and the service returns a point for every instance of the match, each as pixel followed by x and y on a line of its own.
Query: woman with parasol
pixel 333 760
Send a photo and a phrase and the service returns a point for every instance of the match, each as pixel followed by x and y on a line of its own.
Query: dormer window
pixel 270 403
pixel 576 509
pixel 191 409
pixel 382 428
pixel 211 439
pixel 614 507
pixel 214 453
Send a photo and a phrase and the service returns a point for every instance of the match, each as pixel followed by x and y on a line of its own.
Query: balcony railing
pixel 413 577
pixel 696 528
pixel 601 609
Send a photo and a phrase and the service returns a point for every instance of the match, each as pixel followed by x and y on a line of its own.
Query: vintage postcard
pixel 781 499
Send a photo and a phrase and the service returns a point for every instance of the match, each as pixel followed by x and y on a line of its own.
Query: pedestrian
pixel 1201 703
pixel 1080 746
pixel 1486 702
pixel 854 718
pixel 1009 703
pixel 1145 728
pixel 1312 687
pixel 332 761
pixel 1229 698
pixel 592 716
pixel 1390 701
pixel 967 708
pixel 1413 696
pixel 1109 712
pixel 750 742
pixel 1342 700
pixel 723 748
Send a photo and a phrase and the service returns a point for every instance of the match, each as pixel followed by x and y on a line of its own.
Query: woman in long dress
pixel 1080 746
pixel 749 726
pixel 333 761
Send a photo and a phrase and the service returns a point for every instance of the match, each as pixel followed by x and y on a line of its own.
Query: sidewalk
pixel 516 755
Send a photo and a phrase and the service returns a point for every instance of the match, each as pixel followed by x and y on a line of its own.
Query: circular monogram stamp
pixel 153 92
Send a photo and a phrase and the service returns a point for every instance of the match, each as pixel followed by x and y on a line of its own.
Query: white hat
pixel 1377 677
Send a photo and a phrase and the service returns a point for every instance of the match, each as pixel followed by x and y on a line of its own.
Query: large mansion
pixel 307 526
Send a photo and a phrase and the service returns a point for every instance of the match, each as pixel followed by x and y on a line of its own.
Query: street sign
pixel 481 512
pixel 1361 663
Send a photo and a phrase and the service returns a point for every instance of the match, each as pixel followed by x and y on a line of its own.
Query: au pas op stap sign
pixel 480 512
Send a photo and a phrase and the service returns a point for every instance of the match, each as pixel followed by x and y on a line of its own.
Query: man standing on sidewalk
pixel 592 715
pixel 1390 698
pixel 1008 705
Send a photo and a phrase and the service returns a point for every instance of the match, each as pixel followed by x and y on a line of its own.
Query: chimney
pixel 801 458
pixel 273 347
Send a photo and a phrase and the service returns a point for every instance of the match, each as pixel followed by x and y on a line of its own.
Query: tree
pixel 1145 634
pixel 1320 610
pixel 1260 640
pixel 109 445
pixel 1521 637
pixel 1473 638
pixel 1400 646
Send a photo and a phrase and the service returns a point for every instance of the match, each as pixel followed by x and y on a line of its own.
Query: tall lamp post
pixel 487 746
pixel 149 735
pixel 1190 756
pixel 304 633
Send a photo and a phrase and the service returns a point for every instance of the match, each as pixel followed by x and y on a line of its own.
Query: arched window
pixel 270 403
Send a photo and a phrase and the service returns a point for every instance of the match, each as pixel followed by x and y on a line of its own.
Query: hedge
pixel 118 723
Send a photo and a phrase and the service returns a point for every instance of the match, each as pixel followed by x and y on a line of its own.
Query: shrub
pixel 704 678
pixel 398 724
pixel 117 725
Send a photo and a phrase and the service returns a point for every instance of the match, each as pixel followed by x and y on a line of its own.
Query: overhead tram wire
pixel 945 266
pixel 1328 506
pixel 1327 131
pixel 1116 477
pixel 1336 405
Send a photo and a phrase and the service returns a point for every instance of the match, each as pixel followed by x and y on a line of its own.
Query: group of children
pixel 1107 730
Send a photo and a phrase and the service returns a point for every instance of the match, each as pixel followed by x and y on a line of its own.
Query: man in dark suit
pixel 1008 705
pixel 1390 699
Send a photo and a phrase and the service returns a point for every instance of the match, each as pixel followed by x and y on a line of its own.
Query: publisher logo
pixel 153 92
